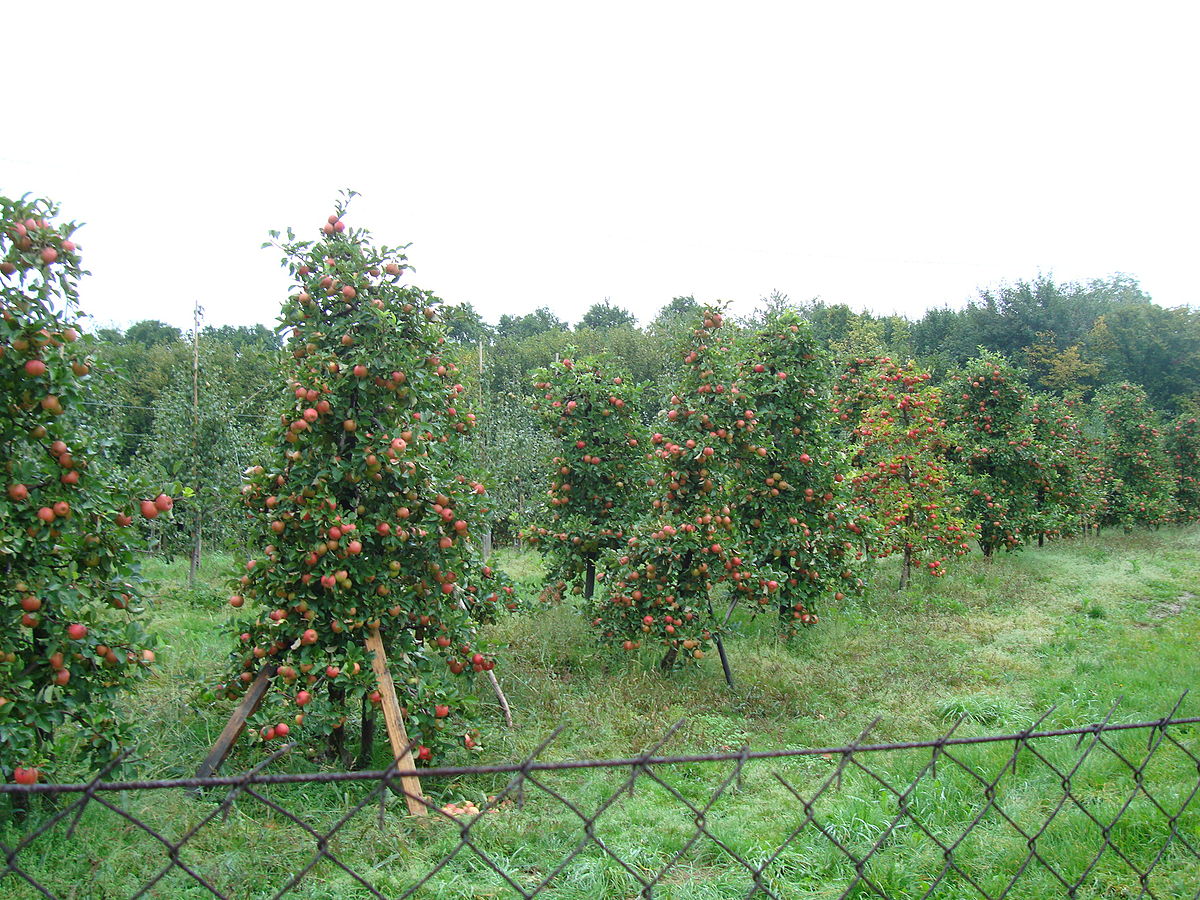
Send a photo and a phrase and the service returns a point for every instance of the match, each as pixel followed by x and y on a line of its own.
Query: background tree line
pixel 192 408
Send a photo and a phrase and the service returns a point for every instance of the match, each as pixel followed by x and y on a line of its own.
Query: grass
pixel 1075 627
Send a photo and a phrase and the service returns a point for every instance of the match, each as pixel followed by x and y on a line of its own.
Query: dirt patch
pixel 1172 607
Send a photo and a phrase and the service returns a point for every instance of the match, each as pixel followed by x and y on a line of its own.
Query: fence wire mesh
pixel 1101 810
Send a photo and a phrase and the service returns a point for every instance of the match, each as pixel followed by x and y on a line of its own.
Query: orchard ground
pixel 1077 625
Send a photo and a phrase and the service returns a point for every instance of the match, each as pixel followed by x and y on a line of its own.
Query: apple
pixel 26 775
pixel 77 631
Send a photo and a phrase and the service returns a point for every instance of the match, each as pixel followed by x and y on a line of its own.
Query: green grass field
pixel 1075 626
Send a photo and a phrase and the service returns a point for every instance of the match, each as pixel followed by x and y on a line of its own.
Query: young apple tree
pixel 70 642
pixel 594 417
pixel 661 586
pixel 802 536
pixel 1183 449
pixel 997 451
pixel 1139 491
pixel 1066 497
pixel 365 512
pixel 900 478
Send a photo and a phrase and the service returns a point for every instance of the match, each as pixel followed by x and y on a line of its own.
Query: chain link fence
pixel 1106 809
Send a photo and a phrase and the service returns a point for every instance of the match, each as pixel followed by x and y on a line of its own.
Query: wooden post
pixel 392 717
pixel 196 506
pixel 237 722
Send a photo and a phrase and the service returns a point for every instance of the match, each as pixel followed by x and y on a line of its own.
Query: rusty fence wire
pixel 1107 809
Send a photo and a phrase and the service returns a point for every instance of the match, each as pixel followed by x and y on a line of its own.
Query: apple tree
pixel 660 586
pixel 802 536
pixel 363 514
pixel 70 643
pixel 594 418
pixel 1182 442
pixel 900 477
pixel 1139 490
pixel 997 451
pixel 1066 497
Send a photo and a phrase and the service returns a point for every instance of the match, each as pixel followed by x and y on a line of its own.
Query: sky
pixel 892 156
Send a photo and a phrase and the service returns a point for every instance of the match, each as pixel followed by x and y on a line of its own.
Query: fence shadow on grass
pixel 1100 810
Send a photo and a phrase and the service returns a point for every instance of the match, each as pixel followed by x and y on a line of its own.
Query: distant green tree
pixel 464 325
pixel 539 321
pixel 1151 346
pixel 152 333
pixel 605 315
pixel 680 312
pixel 241 338
pixel 1010 318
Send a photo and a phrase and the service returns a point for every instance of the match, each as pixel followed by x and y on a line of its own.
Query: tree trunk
pixel 906 570
pixel 724 662
pixel 668 661
pixel 338 750
pixel 589 578
pixel 195 564
pixel 366 741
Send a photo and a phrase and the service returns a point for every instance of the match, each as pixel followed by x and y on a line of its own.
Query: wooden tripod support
pixel 392 716
pixel 237 722
pixel 394 720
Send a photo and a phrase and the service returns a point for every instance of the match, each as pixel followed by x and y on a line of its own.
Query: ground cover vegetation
pixel 680 478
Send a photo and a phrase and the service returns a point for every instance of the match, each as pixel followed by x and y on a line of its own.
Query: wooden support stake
pixel 495 682
pixel 392 717
pixel 237 722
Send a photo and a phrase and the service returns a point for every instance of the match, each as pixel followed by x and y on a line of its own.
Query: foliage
pixel 1156 348
pixel 900 474
pixel 203 441
pixel 365 512
pixel 1068 494
pixel 1141 479
pixel 540 321
pixel 1182 444
pixel 513 450
pixel 594 417
pixel 660 589
pixel 605 315
pixel 69 644
pixel 1014 317
pixel 804 540
pixel 997 451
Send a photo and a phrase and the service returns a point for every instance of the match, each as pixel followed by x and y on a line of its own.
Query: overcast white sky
pixel 894 156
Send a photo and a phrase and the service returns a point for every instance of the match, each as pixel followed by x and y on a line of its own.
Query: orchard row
pixel 777 476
